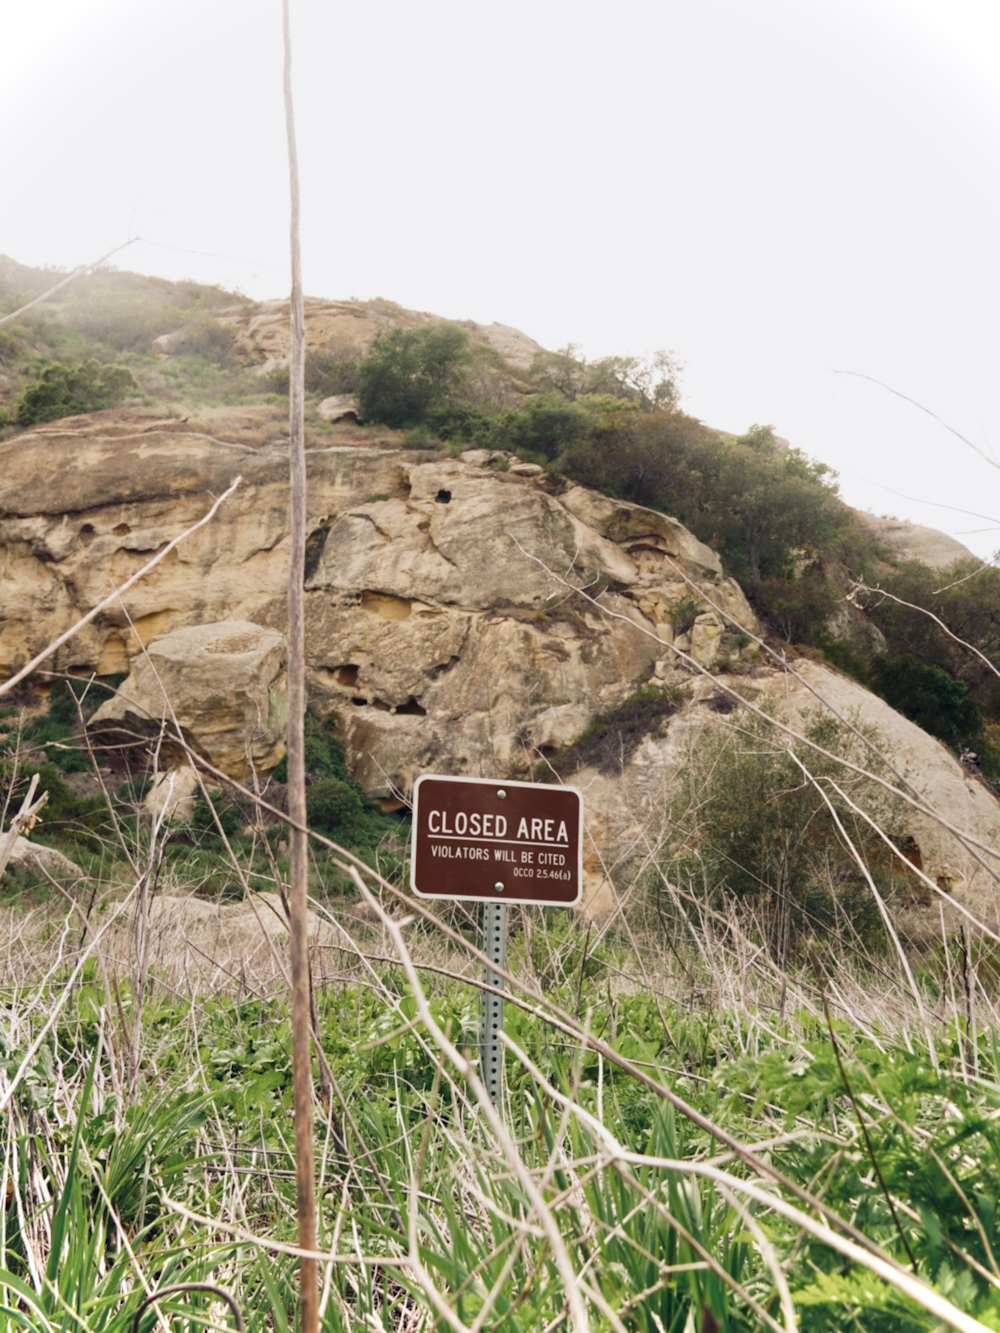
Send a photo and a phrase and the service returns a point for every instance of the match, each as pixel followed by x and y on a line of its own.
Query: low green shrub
pixel 207 339
pixel 65 391
pixel 929 696
pixel 407 372
pixel 750 828
pixel 336 803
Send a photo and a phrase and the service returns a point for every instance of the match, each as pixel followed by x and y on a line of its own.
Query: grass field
pixel 700 1144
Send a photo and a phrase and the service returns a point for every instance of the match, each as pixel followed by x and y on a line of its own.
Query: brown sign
pixel 506 842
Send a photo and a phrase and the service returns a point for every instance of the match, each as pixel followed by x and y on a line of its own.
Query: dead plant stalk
pixel 298 845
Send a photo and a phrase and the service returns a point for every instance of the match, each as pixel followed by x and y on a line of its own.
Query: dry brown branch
pixel 299 872
pixel 23 821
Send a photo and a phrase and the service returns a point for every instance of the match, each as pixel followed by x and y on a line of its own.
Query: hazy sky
pixel 774 189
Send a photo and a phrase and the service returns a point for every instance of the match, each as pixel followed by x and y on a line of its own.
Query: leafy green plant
pixel 409 371
pixel 206 338
pixel 928 696
pixel 63 391
pixel 548 426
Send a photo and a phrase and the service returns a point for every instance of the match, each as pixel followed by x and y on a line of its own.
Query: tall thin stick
pixel 301 1037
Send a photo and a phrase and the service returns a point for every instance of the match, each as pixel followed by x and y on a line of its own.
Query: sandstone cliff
pixel 443 629
pixel 437 634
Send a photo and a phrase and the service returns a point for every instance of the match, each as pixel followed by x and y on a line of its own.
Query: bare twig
pixel 23 820
pixel 857 374
pixel 298 842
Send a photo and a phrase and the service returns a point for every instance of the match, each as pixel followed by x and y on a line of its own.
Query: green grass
pixel 203 1131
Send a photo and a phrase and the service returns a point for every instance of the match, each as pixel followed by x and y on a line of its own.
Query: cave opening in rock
pixel 346 675
pixel 411 707
pixel 443 497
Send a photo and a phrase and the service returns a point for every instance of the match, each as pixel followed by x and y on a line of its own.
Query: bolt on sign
pixel 478 840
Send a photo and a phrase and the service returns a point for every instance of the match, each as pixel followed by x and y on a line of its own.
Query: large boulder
pixel 911 541
pixel 933 775
pixel 445 632
pixel 626 805
pixel 225 686
pixel 46 859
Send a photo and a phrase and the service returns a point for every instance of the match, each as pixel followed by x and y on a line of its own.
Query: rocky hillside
pixel 470 608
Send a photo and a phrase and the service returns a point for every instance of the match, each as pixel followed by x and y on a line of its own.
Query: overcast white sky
pixel 774 189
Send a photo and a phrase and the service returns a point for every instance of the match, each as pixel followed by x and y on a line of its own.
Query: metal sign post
pixel 491 1006
pixel 477 838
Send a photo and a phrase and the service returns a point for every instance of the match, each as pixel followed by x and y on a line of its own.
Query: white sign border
pixel 499 897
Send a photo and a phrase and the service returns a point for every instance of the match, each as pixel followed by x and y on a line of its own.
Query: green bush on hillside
pixel 65 391
pixel 942 637
pixel 334 806
pixel 548 425
pixel 336 803
pixel 407 372
pixel 928 696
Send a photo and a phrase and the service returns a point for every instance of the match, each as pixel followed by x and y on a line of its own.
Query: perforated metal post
pixel 491 1006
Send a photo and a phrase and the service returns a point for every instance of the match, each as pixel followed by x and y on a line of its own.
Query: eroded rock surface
pixel 911 541
pixel 346 329
pixel 462 616
pixel 625 808
pixel 225 685
pixel 934 776
pixel 444 628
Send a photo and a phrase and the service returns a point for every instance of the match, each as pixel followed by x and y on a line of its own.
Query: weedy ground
pixel 691 1137
pixel 684 1140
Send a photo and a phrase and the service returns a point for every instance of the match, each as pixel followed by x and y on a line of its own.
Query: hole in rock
pixel 87 534
pixel 359 702
pixel 315 544
pixel 346 675
pixel 385 606
pixel 121 529
pixel 443 497
pixel 412 707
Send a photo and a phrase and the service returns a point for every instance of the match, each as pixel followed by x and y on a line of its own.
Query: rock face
pixel 225 685
pixel 632 801
pixel 443 625
pixel 937 778
pixel 463 616
pixel 910 541
pixel 455 644
pixel 46 859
